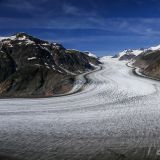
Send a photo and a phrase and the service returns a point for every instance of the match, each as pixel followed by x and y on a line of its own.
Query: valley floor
pixel 116 116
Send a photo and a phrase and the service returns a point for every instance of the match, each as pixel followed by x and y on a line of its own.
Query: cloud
pixel 66 15
pixel 18 4
pixel 129 26
pixel 77 11
pixel 70 9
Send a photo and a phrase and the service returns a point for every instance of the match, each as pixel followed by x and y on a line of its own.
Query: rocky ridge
pixel 30 67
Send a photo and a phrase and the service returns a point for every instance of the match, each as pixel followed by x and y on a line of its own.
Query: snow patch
pixel 31 58
pixel 105 58
pixel 53 67
pixel 45 44
pixel 90 54
pixel 93 65
pixel 59 71
pixel 22 38
pixel 154 48
pixel 67 71
pixel 5 38
pixel 28 41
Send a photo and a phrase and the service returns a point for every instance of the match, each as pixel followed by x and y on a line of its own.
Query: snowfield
pixel 115 116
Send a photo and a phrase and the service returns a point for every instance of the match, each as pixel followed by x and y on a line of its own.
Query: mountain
pixel 147 60
pixel 155 48
pixel 30 67
pixel 128 54
pixel 149 63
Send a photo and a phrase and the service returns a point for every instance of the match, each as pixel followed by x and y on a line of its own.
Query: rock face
pixel 30 67
pixel 149 63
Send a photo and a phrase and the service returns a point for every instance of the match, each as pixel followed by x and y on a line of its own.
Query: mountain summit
pixel 129 54
pixel 33 67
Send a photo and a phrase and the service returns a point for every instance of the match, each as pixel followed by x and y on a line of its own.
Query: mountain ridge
pixel 129 54
pixel 147 60
pixel 39 68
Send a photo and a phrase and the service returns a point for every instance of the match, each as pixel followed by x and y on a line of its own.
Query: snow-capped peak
pixel 18 36
pixel 124 52
pixel 19 39
pixel 135 52
pixel 154 48
pixel 10 38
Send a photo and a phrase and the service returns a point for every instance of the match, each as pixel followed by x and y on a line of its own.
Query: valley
pixel 115 116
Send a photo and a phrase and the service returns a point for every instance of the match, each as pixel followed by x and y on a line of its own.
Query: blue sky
pixel 101 26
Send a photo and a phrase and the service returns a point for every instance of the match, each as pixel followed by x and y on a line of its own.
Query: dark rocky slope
pixel 149 62
pixel 30 67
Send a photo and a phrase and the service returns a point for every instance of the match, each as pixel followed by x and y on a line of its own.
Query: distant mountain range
pixel 131 53
pixel 30 67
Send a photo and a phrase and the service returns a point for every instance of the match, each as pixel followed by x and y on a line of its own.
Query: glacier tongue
pixel 116 110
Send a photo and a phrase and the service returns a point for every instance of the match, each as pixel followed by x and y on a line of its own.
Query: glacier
pixel 116 115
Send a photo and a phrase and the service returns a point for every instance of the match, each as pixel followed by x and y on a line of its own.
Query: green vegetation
pixel 71 51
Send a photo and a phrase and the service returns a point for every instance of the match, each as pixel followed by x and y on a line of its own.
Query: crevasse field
pixel 115 116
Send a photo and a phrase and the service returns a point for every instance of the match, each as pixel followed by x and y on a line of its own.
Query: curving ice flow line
pixel 117 114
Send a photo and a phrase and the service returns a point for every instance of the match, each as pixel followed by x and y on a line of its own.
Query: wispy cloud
pixel 85 21
pixel 70 9
pixel 67 15
pixel 76 11
pixel 132 26
pixel 18 4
